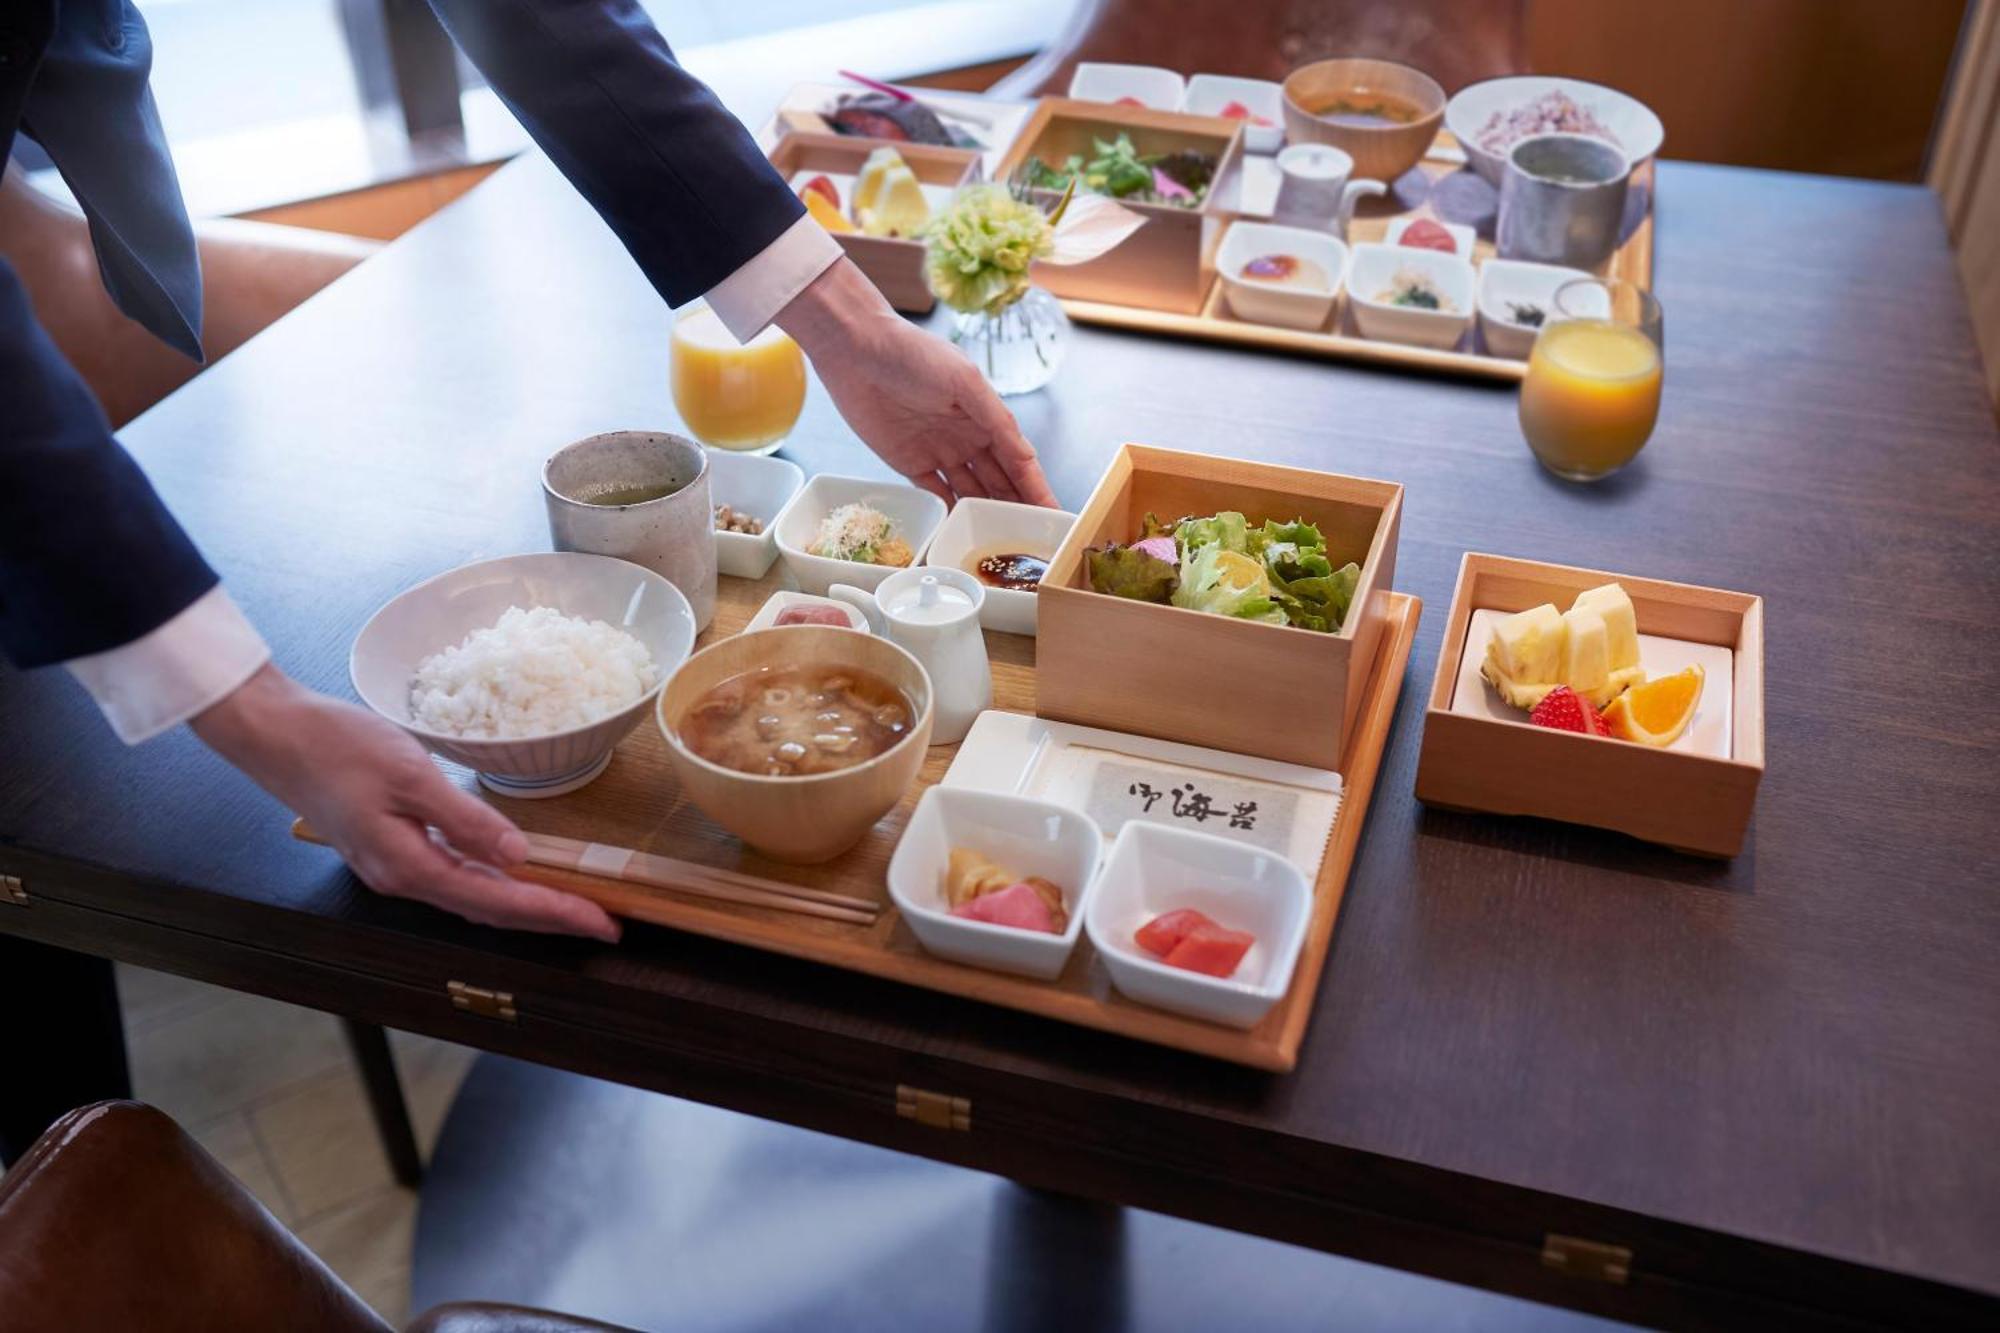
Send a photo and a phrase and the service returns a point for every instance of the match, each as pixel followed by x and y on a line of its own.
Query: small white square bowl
pixel 1266 303
pixel 1156 868
pixel 1461 235
pixel 1207 94
pixel 760 487
pixel 915 513
pixel 1504 280
pixel 1375 265
pixel 1148 85
pixel 977 528
pixel 784 599
pixel 1024 835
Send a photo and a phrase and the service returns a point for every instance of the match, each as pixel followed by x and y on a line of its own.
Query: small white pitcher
pixel 934 615
pixel 1314 189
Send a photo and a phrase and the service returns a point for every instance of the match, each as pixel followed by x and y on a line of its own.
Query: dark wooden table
pixel 1775 1081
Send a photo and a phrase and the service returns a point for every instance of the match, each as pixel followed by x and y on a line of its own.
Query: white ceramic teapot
pixel 934 615
pixel 1314 189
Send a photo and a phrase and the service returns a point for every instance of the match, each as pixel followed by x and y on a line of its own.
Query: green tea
pixel 631 495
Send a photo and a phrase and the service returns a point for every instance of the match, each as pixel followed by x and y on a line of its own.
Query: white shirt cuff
pixel 163 678
pixel 752 296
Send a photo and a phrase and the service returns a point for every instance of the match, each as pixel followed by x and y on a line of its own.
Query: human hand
pixel 372 792
pixel 918 404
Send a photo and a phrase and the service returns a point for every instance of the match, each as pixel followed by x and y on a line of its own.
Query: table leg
pixel 385 1100
pixel 65 1043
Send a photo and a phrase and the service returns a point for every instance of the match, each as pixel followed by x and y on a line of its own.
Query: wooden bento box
pixel 1689 798
pixel 1273 691
pixel 893 264
pixel 1169 263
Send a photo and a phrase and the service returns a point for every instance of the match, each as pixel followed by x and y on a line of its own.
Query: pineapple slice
pixel 1524 656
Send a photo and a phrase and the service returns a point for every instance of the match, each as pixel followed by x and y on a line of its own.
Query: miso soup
pixel 1365 109
pixel 793 721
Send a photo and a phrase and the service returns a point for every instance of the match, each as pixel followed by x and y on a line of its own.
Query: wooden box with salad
pixel 1219 602
pixel 1624 703
pixel 1180 172
pixel 875 196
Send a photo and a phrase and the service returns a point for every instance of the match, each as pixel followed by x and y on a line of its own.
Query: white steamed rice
pixel 537 671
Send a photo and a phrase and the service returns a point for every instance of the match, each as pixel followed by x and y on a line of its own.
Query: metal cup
pixel 674 535
pixel 1562 200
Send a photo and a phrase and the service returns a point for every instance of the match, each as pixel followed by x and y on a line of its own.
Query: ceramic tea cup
pixel 642 496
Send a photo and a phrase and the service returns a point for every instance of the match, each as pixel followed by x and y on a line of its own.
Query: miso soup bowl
pixel 802 820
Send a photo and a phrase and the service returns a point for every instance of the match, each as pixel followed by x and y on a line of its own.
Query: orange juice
pixel 1591 396
pixel 735 395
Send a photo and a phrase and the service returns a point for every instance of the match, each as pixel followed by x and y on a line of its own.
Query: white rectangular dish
pixel 1707 734
pixel 977 528
pixel 1116 778
pixel 760 486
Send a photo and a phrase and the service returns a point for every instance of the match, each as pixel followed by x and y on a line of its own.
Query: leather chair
pixel 252 272
pixel 116 1221
pixel 1456 42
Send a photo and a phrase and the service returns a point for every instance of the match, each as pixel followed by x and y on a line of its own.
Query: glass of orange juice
pixel 1592 392
pixel 732 395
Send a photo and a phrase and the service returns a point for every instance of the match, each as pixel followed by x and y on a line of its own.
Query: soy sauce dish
pixel 1007 547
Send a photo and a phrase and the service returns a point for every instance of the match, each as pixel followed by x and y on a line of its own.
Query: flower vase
pixel 1018 347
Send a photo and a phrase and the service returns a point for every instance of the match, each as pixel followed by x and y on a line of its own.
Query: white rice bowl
pixel 533 673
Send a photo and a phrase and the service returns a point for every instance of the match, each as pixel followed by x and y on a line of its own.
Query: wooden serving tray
pixel 637 804
pixel 1632 261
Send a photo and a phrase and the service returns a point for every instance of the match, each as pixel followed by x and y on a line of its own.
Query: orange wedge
pixel 824 213
pixel 1656 712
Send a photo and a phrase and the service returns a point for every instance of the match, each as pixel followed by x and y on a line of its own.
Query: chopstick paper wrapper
pixel 624 865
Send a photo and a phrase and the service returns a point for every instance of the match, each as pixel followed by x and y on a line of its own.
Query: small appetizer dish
pixel 1258 103
pixel 1007 547
pixel 797 739
pixel 1515 299
pixel 996 880
pixel 785 607
pixel 1404 295
pixel 1288 276
pixel 1128 85
pixel 1450 238
pixel 1489 118
pixel 528 669
pixel 853 530
pixel 749 492
pixel 1198 925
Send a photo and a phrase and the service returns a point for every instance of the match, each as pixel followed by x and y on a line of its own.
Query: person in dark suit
pixel 96 575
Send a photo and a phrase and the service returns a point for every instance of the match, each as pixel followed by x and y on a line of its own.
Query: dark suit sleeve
pixel 673 173
pixel 89 557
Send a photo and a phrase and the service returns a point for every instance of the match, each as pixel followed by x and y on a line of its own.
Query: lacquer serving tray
pixel 637 804
pixel 1337 338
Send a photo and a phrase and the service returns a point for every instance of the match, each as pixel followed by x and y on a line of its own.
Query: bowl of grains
pixel 1491 117
pixel 528 669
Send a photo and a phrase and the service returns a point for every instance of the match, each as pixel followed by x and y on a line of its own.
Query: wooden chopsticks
pixel 625 865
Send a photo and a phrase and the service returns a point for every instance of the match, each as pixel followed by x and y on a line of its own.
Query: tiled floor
pixel 272 1091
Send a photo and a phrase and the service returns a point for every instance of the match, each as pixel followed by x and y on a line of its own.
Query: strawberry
pixel 1565 710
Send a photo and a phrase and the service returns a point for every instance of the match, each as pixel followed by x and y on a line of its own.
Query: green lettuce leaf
pixel 1222 582
pixel 1122 571
pixel 1226 529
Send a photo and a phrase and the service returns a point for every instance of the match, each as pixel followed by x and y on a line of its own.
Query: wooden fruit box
pixel 1267 690
pixel 637 804
pixel 894 264
pixel 1338 339
pixel 1169 263
pixel 1694 802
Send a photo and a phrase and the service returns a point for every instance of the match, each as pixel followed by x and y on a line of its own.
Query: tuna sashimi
pixel 1212 950
pixel 1159 936
pixel 814 615
pixel 1017 905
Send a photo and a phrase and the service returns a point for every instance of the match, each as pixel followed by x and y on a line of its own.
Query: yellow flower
pixel 981 246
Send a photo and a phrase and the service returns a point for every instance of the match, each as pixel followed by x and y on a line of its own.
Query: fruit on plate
pixel 1563 709
pixel 1656 712
pixel 826 214
pixel 823 186
pixel 1424 234
pixel 888 201
pixel 1593 648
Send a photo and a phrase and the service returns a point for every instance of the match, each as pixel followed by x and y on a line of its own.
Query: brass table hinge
pixel 486 1003
pixel 1587 1258
pixel 12 890
pixel 933 1108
